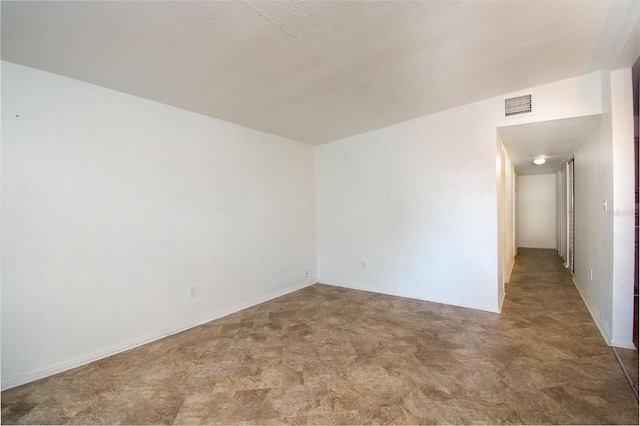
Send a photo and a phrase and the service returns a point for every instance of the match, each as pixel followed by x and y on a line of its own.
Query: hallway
pixel 330 355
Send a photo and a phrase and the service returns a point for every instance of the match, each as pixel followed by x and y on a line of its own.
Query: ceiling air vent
pixel 518 105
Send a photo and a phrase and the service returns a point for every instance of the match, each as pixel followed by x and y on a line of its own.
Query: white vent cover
pixel 517 105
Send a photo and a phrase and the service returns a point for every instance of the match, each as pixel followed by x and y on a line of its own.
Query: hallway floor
pixel 331 355
pixel 629 359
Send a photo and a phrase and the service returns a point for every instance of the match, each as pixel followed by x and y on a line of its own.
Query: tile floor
pixel 329 355
pixel 629 358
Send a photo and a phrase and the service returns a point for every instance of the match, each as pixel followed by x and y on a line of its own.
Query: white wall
pixel 416 203
pixel 501 201
pixel 593 230
pixel 622 124
pixel 604 169
pixel 113 207
pixel 509 224
pixel 537 211
pixel 506 217
pixel 574 97
pixel 419 202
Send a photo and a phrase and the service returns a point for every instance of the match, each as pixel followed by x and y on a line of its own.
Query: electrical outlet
pixel 590 274
pixel 363 265
pixel 306 273
pixel 193 291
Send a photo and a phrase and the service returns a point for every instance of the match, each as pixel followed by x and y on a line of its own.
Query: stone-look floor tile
pixel 201 408
pixel 330 355
pixel 100 412
pixel 12 412
pixel 342 418
pixel 629 358
pixel 161 407
pixel 336 397
pixel 533 407
pixel 253 404
pixel 602 408
pixel 292 401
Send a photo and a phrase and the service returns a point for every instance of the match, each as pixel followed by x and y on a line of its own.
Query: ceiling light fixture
pixel 539 161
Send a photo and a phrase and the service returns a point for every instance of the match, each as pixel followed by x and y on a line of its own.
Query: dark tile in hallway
pixel 329 355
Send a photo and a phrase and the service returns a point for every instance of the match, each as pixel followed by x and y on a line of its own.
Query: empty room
pixel 319 212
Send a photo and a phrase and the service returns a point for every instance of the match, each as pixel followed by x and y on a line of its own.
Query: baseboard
pixel 11 382
pixel 603 330
pixel 509 272
pixel 623 345
pixel 501 302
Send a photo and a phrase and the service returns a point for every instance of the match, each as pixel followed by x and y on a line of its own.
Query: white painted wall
pixel 623 214
pixel 501 158
pixel 604 169
pixel 537 211
pixel 114 206
pixel 506 217
pixel 593 229
pixel 416 202
pixel 509 225
pixel 573 97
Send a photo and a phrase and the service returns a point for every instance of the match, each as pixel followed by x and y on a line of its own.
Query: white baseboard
pixel 623 345
pixel 501 302
pixel 606 334
pixel 509 272
pixel 31 376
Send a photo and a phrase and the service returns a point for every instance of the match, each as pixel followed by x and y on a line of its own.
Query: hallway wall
pixel 604 170
pixel 537 211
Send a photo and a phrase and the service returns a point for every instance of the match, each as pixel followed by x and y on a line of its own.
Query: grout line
pixel 626 373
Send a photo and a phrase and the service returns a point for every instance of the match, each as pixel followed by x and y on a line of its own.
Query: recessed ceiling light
pixel 539 161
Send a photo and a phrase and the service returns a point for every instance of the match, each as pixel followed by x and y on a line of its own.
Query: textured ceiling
pixel 554 140
pixel 314 71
